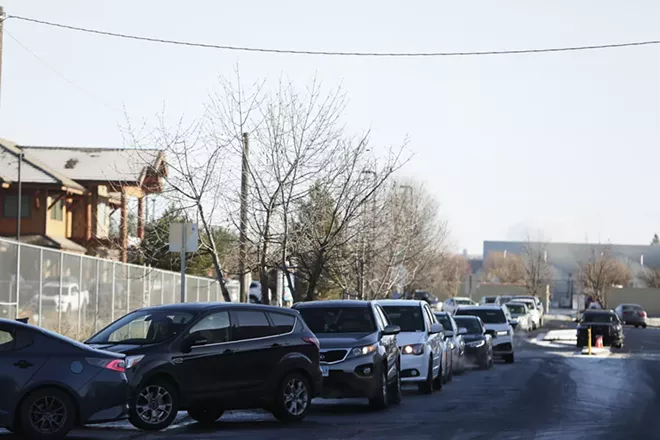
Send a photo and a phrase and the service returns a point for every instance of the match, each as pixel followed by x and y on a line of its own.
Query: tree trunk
pixel 214 255
pixel 314 277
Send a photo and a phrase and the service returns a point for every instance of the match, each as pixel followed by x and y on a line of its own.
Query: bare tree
pixel 650 276
pixel 504 268
pixel 601 271
pixel 537 274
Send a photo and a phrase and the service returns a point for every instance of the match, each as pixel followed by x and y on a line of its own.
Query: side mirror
pixel 192 341
pixel 491 333
pixel 391 330
pixel 436 328
pixel 462 331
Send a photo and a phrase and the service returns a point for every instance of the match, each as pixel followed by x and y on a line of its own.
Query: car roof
pixel 333 303
pixel 459 317
pixel 515 303
pixel 436 313
pixel 482 307
pixel 598 312
pixel 462 297
pixel 202 306
pixel 16 323
pixel 400 302
pixel 631 304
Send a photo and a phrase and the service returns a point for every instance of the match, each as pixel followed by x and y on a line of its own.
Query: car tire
pixel 450 373
pixel 395 394
pixel 644 325
pixel 293 398
pixel 205 414
pixel 509 358
pixel 161 392
pixel 426 387
pixel 438 383
pixel 382 400
pixel 57 403
pixel 636 325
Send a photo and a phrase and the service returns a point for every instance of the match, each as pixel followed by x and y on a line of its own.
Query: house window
pixel 57 210
pixel 10 206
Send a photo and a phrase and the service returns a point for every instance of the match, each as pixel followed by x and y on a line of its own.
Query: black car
pixel 478 342
pixel 50 383
pixel 603 323
pixel 360 356
pixel 206 358
pixel 455 340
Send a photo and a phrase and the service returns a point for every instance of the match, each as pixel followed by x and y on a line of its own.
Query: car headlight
pixel 363 351
pixel 414 349
pixel 504 333
pixel 475 344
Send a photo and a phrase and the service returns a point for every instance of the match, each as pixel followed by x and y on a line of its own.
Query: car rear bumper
pixel 104 398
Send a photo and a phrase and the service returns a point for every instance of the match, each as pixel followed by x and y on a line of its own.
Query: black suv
pixel 210 357
pixel 359 352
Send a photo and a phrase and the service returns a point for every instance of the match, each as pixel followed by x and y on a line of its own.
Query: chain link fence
pixel 77 295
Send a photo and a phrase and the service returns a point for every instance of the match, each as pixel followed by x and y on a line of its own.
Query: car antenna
pixel 23 320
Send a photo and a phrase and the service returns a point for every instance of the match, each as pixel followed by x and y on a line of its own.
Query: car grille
pixel 330 356
pixel 503 347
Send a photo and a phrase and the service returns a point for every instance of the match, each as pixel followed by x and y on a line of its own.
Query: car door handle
pixel 23 364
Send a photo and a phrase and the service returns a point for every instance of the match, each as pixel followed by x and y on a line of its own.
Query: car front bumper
pixel 357 377
pixel 502 345
pixel 414 368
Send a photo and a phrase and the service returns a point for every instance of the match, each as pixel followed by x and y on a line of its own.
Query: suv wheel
pixel 426 387
pixel 381 401
pixel 46 414
pixel 205 414
pixel 293 398
pixel 395 394
pixel 155 406
pixel 438 382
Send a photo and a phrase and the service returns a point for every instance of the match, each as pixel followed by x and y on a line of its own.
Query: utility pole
pixel 2 19
pixel 243 220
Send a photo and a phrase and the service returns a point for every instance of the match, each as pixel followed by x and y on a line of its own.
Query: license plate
pixel 325 371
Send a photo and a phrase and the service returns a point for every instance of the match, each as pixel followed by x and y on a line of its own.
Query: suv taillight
pixel 642 314
pixel 312 340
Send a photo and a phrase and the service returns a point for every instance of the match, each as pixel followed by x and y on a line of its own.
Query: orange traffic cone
pixel 599 342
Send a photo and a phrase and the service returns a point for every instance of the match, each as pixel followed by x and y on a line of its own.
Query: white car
pixel 496 320
pixel 67 298
pixel 521 317
pixel 539 304
pixel 452 304
pixel 535 314
pixel 424 356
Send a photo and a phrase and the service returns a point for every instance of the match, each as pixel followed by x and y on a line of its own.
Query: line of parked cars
pixel 207 358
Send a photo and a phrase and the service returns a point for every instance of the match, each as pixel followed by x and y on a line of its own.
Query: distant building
pixel 564 261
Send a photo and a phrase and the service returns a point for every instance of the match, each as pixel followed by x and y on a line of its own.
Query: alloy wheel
pixel 296 396
pixel 154 404
pixel 48 414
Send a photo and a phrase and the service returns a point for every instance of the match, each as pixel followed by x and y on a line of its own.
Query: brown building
pixel 68 194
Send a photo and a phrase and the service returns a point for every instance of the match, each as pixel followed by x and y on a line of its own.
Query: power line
pixel 60 74
pixel 333 53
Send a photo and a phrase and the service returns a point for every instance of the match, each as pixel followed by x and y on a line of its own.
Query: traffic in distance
pixel 209 358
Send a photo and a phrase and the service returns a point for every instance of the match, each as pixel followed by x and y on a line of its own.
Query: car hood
pixel 408 338
pixel 497 327
pixel 118 348
pixel 344 340
pixel 471 338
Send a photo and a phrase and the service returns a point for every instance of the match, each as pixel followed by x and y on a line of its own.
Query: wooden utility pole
pixel 243 221
pixel 2 19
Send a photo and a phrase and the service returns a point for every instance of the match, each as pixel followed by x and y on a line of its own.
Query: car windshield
pixel 605 318
pixel 506 299
pixel 489 299
pixel 409 318
pixel 338 319
pixel 471 325
pixel 517 309
pixel 463 302
pixel 143 327
pixel 488 316
pixel 632 308
pixel 444 321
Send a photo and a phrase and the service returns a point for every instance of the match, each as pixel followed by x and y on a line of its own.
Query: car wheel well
pixel 164 377
pixel 17 414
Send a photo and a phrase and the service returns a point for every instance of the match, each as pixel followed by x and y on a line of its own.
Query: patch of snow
pixel 561 335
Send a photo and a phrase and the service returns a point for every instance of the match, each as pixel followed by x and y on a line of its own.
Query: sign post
pixel 184 238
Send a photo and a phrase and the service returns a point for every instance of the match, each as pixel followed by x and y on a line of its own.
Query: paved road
pixel 549 393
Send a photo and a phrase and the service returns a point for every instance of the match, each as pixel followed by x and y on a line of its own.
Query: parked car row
pixel 207 358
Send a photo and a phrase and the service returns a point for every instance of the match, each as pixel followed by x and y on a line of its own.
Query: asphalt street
pixel 548 393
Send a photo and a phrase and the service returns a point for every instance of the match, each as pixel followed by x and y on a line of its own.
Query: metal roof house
pixel 68 194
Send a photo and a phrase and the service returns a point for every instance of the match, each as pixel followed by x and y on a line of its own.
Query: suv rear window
pixel 488 316
pixel 339 319
pixel 251 325
pixel 283 323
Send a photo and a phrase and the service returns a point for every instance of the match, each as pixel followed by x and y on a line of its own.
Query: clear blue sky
pixel 566 143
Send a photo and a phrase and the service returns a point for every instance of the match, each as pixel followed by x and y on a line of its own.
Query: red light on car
pixel 116 365
pixel 642 314
pixel 312 340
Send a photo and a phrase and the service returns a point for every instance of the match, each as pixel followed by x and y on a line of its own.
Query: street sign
pixel 184 232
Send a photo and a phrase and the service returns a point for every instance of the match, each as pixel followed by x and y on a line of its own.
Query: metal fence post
pixel 112 300
pixel 208 290
pixel 18 273
pixel 59 295
pixel 80 289
pixel 41 286
pixel 146 286
pixel 98 288
pixel 197 279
